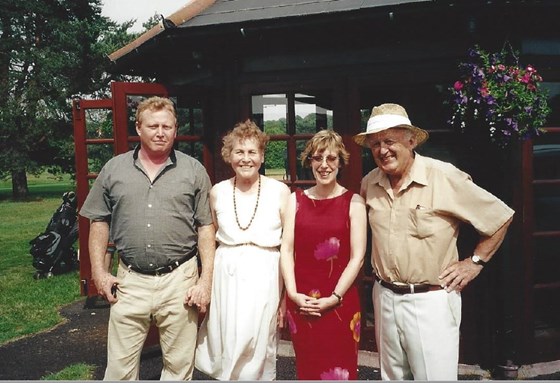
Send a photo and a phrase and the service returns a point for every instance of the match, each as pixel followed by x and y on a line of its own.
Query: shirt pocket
pixel 422 222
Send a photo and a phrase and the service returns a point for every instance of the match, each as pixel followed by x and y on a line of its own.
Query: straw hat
pixel 387 116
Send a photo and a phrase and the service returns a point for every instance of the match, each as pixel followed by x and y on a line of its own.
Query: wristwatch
pixel 476 259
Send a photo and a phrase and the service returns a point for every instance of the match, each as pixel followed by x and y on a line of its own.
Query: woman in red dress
pixel 323 246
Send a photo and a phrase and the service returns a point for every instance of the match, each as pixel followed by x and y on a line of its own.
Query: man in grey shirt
pixel 153 203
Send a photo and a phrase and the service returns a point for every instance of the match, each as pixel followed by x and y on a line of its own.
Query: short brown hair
pixel 155 103
pixel 242 131
pixel 321 141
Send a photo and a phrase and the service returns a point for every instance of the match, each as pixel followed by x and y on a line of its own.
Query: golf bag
pixel 53 250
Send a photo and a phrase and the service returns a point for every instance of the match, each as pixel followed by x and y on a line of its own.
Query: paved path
pixel 82 339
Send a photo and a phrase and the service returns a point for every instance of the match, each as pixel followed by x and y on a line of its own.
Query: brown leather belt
pixel 409 288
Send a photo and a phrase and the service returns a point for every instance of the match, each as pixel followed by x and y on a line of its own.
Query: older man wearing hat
pixel 416 205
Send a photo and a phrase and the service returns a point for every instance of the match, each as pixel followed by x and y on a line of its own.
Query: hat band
pixel 386 121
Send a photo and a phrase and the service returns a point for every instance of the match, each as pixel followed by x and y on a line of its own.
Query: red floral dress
pixel 326 347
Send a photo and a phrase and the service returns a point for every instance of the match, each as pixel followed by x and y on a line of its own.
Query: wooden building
pixel 327 62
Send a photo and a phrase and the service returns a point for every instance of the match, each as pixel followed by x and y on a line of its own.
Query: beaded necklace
pixel 235 205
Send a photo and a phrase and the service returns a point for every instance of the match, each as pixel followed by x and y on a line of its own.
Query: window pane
pixel 313 113
pixel 276 160
pixel 98 155
pixel 553 89
pixel 546 156
pixel 99 123
pixel 189 122
pixel 303 173
pixel 547 260
pixel 270 112
pixel 192 148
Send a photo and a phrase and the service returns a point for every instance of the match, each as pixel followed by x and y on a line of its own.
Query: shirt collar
pixel 417 174
pixel 171 160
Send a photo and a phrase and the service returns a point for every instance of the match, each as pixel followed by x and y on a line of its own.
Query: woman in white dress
pixel 237 339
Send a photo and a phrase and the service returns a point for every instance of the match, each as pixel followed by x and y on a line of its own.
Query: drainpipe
pixel 187 12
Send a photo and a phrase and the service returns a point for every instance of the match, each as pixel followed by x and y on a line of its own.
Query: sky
pixel 141 10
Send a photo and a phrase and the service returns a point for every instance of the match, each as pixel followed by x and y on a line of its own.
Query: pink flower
pixel 526 78
pixel 336 373
pixel 458 85
pixel 356 326
pixel 328 249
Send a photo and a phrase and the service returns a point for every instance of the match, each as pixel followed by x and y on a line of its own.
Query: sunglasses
pixel 319 159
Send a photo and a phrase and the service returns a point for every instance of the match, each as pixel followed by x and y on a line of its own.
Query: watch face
pixel 476 259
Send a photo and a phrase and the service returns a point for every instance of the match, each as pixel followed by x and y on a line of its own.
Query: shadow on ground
pixel 82 339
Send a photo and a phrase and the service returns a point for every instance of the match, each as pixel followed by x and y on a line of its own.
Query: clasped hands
pixel 199 296
pixel 312 306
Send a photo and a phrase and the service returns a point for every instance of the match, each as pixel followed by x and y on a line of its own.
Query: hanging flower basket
pixel 497 98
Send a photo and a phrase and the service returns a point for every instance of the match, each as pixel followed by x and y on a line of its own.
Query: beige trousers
pixel 143 300
pixel 417 335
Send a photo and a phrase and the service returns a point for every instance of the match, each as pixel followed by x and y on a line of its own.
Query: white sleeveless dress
pixel 238 337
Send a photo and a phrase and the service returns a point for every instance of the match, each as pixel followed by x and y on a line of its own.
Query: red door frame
pixel 120 140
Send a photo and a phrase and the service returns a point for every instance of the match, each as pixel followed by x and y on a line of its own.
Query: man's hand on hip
pixel 459 274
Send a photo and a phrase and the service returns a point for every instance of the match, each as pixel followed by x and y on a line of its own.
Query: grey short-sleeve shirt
pixel 152 223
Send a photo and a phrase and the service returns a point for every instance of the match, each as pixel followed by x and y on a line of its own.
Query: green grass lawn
pixel 28 305
pixel 80 371
pixel 40 186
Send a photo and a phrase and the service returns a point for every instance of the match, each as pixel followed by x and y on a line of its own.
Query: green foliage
pixel 276 151
pixel 50 52
pixel 74 372
pixel 152 21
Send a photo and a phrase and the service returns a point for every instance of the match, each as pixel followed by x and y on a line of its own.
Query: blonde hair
pixel 155 104
pixel 242 131
pixel 321 141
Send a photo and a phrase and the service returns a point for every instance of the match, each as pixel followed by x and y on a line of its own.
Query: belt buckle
pixel 411 285
pixel 162 270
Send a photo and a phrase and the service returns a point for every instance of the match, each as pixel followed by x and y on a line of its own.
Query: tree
pixel 50 52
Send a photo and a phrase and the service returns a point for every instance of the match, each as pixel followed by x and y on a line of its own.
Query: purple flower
pixel 495 93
